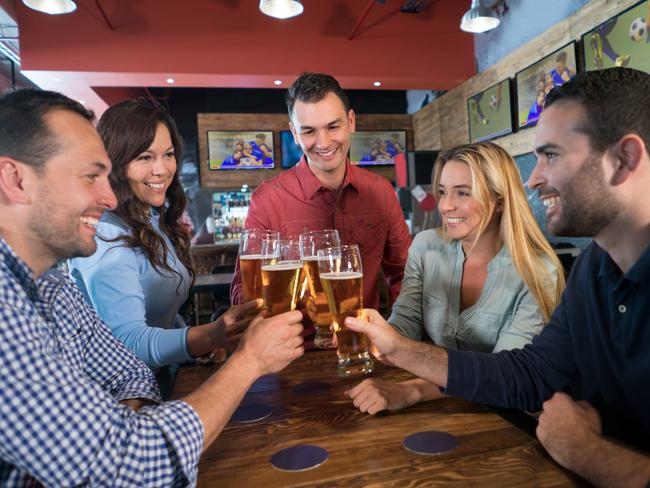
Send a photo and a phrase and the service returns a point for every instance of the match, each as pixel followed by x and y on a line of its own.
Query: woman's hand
pixel 229 328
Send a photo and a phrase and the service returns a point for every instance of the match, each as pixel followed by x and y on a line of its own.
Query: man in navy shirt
pixel 589 369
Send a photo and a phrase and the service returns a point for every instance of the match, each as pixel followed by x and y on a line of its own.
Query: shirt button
pixel 622 308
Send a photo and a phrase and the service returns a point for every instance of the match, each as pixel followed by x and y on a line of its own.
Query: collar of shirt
pixel 311 185
pixel 639 273
pixel 16 266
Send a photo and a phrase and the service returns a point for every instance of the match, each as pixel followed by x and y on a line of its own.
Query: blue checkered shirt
pixel 62 375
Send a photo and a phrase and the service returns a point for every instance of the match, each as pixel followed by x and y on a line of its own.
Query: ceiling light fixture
pixel 479 18
pixel 277 82
pixel 52 7
pixel 281 9
pixel 377 83
pixel 170 81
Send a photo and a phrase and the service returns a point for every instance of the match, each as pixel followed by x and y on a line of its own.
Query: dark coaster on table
pixel 299 458
pixel 251 413
pixel 311 387
pixel 430 443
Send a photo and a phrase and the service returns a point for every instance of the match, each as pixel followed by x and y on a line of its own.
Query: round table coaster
pixel 430 443
pixel 299 458
pixel 251 413
pixel 311 387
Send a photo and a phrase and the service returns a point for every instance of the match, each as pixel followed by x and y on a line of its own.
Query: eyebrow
pixel 545 147
pixel 100 166
pixel 456 186
pixel 308 127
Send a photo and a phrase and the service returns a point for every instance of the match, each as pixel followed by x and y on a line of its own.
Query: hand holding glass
pixel 281 271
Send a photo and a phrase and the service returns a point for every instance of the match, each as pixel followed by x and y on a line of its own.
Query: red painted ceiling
pixel 230 43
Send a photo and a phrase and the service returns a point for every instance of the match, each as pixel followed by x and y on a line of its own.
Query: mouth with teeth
pixel 326 155
pixel 90 221
pixel 155 186
pixel 454 221
pixel 549 201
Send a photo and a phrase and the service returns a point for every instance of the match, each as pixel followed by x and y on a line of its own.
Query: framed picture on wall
pixel 490 112
pixel 291 152
pixel 240 149
pixel 623 40
pixel 534 82
pixel 376 148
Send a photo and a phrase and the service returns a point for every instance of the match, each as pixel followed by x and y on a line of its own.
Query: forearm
pixel 423 360
pixel 217 398
pixel 423 391
pixel 202 339
pixel 606 464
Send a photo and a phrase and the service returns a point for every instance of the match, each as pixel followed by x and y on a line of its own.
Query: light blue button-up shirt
pixel 137 301
pixel 506 315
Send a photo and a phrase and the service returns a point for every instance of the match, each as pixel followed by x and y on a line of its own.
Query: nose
pixel 107 198
pixel 537 178
pixel 323 138
pixel 158 168
pixel 445 203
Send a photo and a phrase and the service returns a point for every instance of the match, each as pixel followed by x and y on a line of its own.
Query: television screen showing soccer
pixel 240 149
pixel 369 148
pixel 489 113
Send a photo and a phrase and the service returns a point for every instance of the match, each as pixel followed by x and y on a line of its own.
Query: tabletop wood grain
pixel 364 450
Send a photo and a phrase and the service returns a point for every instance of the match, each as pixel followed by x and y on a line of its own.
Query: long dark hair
pixel 128 129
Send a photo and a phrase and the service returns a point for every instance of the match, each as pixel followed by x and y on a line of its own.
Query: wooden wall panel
pixel 451 108
pixel 227 180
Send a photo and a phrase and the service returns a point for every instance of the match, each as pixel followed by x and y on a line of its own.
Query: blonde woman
pixel 487 281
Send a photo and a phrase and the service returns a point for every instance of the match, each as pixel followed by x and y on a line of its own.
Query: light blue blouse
pixel 137 301
pixel 506 315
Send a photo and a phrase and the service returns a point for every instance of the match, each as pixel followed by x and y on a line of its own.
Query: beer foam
pixel 283 266
pixel 251 257
pixel 344 275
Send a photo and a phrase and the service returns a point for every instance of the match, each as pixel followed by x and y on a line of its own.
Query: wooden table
pixel 366 450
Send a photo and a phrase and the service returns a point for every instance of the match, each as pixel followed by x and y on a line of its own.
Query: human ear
pixel 627 155
pixel 12 181
pixel 351 120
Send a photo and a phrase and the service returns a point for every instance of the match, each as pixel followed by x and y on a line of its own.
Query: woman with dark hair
pixel 142 270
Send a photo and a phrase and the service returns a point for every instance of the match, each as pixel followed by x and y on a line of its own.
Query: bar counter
pixel 366 450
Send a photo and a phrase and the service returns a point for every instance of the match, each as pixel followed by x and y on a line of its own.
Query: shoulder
pixel 275 185
pixel 367 179
pixel 429 240
pixel 111 226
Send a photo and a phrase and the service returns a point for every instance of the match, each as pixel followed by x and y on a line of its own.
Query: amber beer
pixel 251 276
pixel 281 286
pixel 317 307
pixel 344 291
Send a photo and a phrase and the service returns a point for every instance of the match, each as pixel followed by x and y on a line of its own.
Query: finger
pixel 357 325
pixel 354 392
pixel 250 306
pixel 367 403
pixel 376 408
pixel 293 317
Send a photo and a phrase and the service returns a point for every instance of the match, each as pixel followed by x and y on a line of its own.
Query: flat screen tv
pixel 534 82
pixel 490 112
pixel 291 152
pixel 239 149
pixel 375 148
pixel 623 40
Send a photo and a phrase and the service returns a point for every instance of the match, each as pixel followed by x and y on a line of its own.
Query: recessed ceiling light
pixel 277 82
pixel 170 81
pixel 82 102
pixel 377 83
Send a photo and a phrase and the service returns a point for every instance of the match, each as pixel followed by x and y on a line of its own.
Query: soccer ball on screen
pixel 493 102
pixel 638 29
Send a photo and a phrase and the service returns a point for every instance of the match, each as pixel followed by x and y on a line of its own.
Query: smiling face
pixel 460 211
pixel 151 173
pixel 569 175
pixel 322 130
pixel 72 191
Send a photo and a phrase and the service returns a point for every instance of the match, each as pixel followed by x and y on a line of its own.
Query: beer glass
pixel 315 299
pixel 341 275
pixel 281 272
pixel 250 260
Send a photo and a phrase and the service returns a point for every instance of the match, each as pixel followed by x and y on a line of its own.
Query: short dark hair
pixel 24 135
pixel 616 102
pixel 312 88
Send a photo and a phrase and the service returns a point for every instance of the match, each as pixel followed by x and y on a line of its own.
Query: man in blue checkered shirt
pixel 76 407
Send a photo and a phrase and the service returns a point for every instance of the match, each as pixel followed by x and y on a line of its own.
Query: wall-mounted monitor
pixel 291 152
pixel 239 149
pixel 490 112
pixel 534 82
pixel 376 148
pixel 623 40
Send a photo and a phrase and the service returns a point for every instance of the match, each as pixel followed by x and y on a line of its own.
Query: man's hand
pixel 385 340
pixel 271 344
pixel 229 328
pixel 374 395
pixel 565 427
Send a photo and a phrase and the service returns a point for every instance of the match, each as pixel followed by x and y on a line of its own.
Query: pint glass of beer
pixel 250 260
pixel 281 273
pixel 341 275
pixel 315 299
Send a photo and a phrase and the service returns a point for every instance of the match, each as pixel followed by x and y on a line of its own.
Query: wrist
pixel 247 365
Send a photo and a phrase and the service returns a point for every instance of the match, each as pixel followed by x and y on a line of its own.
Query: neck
pixel 331 180
pixel 38 259
pixel 625 240
pixel 487 246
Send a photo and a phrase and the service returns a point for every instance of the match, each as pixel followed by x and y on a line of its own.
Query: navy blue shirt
pixel 596 347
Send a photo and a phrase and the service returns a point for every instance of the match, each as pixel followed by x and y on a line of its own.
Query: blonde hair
pixel 495 176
